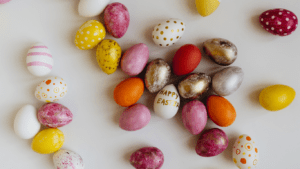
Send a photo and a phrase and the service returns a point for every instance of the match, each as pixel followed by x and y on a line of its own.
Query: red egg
pixel 186 59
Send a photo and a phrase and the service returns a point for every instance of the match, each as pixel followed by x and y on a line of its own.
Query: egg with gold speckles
pixel 168 32
pixel 51 89
pixel 89 35
pixel 207 7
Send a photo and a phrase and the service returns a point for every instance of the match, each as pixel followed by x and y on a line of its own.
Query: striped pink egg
pixel 39 60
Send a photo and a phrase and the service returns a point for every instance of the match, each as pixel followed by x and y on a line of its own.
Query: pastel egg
pixel 135 117
pixel 207 7
pixel 108 55
pixel 51 89
pixel 66 159
pixel 135 59
pixel 26 124
pixel 166 102
pixel 39 60
pixel 90 8
pixel 147 158
pixel 245 153
pixel 89 35
pixel 116 18
pixel 54 115
pixel 169 32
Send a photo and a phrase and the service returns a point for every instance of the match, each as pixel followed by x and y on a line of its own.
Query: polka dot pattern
pixel 50 90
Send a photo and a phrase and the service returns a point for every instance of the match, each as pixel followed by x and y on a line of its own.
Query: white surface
pixel 94 133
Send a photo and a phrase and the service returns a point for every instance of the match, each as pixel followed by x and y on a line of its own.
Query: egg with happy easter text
pixel 166 102
pixel 51 89
pixel 39 60
pixel 245 152
pixel 168 32
pixel 90 8
pixel 66 159
pixel 207 7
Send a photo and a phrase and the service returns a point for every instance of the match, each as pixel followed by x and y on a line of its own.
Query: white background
pixel 94 132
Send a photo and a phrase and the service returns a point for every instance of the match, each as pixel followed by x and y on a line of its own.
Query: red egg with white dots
pixel 279 21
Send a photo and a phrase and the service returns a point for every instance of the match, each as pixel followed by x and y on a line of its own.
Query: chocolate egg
pixel 194 85
pixel 221 51
pixel 227 81
pixel 157 75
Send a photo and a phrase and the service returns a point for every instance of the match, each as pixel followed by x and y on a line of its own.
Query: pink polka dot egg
pixel 4 1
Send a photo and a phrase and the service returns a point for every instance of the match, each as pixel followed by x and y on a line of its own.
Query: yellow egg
pixel 48 141
pixel 207 7
pixel 108 55
pixel 276 97
pixel 89 35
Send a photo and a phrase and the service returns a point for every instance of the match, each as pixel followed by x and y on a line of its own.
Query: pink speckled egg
pixel 135 117
pixel 66 159
pixel 116 18
pixel 147 158
pixel 54 115
pixel 4 1
pixel 135 59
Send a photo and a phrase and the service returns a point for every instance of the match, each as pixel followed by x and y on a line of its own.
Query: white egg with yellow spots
pixel 51 89
pixel 169 32
pixel 89 35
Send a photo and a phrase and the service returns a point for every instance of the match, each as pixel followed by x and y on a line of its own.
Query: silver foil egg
pixel 221 51
pixel 227 81
pixel 157 75
pixel 194 85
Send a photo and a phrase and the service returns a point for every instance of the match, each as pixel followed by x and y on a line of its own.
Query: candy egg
pixel 116 18
pixel 39 60
pixel 147 158
pixel 157 75
pixel 221 51
pixel 207 7
pixel 90 8
pixel 51 89
pixel 169 32
pixel 186 59
pixel 135 117
pixel 66 159
pixel 194 116
pixel 194 85
pixel 108 55
pixel 279 21
pixel 135 59
pixel 227 81
pixel 245 152
pixel 26 124
pixel 276 97
pixel 212 142
pixel 54 115
pixel 166 102
pixel 89 34
pixel 4 1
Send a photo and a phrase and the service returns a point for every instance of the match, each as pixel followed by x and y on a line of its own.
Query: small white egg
pixel 66 159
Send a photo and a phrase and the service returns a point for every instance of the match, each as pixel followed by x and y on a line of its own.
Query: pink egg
pixel 147 158
pixel 4 1
pixel 135 117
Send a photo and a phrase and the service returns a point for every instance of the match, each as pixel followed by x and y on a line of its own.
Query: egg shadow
pixel 255 22
pixel 227 153
pixel 253 96
pixel 117 117
pixel 191 6
pixel 130 150
pixel 192 142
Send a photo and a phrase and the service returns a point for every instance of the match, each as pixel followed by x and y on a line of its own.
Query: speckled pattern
pixel 54 115
pixel 66 159
pixel 147 158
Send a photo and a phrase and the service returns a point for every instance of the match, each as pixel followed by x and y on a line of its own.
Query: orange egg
pixel 129 91
pixel 220 111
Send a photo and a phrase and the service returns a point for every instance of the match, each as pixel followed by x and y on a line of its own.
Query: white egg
pixel 169 32
pixel 51 89
pixel 39 60
pixel 245 152
pixel 66 159
pixel 166 102
pixel 26 124
pixel 90 8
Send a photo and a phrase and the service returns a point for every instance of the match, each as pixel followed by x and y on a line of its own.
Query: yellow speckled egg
pixel 108 55
pixel 89 35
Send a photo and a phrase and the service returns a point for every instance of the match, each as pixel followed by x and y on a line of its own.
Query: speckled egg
pixel 51 89
pixel 147 158
pixel 66 159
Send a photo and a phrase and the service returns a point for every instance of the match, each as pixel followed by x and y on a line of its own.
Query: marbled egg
pixel 221 51
pixel 39 60
pixel 66 159
pixel 157 75
pixel 54 115
pixel 169 32
pixel 166 102
pixel 245 152
pixel 147 158
pixel 194 85
pixel 51 89
pixel 228 80
pixel 90 8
